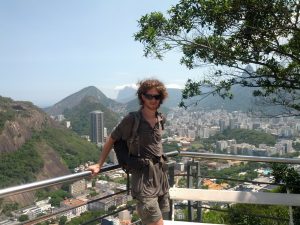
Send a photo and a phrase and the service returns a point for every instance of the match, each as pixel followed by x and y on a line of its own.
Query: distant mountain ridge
pixel 74 99
pixel 126 94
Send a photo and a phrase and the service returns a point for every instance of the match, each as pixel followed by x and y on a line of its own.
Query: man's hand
pixel 95 169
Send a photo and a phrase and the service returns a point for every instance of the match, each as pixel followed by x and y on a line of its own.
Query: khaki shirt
pixel 149 139
pixel 149 146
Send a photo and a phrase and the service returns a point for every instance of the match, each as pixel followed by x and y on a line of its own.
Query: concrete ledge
pixel 264 198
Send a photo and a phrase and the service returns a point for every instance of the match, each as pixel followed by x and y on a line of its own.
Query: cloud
pixel 174 86
pixel 120 87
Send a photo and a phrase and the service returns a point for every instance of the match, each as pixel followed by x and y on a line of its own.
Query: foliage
pixel 62 220
pixel 6 112
pixel 213 216
pixel 7 208
pixel 296 146
pixel 93 193
pixel 135 217
pixel 120 180
pixel 291 179
pixel 233 172
pixel 252 137
pixel 169 147
pixel 245 214
pixel 86 216
pixel 58 196
pixel 23 218
pixel 111 208
pixel 73 149
pixel 231 35
pixel 20 166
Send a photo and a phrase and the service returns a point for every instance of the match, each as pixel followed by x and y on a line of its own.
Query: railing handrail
pixel 239 157
pixel 50 182
pixel 77 176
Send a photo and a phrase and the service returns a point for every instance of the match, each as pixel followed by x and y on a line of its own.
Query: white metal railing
pixel 264 198
pixel 187 194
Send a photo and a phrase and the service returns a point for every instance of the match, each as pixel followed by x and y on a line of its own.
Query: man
pixel 149 185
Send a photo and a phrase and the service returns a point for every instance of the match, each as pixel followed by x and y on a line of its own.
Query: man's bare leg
pixel 159 222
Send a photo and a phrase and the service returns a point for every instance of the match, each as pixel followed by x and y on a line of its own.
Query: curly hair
pixel 147 84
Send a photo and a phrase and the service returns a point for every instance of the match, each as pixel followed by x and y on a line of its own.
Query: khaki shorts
pixel 150 209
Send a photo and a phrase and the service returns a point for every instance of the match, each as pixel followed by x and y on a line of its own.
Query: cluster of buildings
pixel 282 147
pixel 187 126
pixel 86 196
pixel 203 124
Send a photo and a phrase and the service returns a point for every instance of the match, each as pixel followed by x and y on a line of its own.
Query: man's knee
pixel 148 210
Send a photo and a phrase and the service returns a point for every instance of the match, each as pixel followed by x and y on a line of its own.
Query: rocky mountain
pixel 126 94
pixel 74 99
pixel 18 121
pixel 34 147
pixel 242 100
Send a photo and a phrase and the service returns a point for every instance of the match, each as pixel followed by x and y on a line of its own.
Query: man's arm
pixel 105 151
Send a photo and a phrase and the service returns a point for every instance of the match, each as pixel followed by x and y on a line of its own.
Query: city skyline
pixel 52 49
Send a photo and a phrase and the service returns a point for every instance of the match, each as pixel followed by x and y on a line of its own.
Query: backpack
pixel 123 148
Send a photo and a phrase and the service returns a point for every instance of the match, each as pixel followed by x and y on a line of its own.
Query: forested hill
pixel 74 99
pixel 80 115
pixel 34 147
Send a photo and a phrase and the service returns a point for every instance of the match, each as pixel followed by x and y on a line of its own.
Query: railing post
pixel 190 185
pixel 128 183
pixel 199 203
pixel 291 221
pixel 171 177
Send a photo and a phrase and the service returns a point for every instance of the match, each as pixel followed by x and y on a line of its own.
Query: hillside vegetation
pixel 73 149
pixel 22 166
pixel 253 137
pixel 80 116
pixel 5 111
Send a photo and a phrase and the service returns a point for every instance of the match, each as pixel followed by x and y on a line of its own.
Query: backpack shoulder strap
pixel 136 123
pixel 162 120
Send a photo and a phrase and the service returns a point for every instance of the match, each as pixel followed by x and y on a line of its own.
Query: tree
pixel 23 218
pixel 287 175
pixel 232 35
pixel 63 220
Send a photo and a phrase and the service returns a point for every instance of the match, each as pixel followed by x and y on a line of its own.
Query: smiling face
pixel 151 99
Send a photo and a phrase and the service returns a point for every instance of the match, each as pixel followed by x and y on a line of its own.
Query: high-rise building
pixel 97 128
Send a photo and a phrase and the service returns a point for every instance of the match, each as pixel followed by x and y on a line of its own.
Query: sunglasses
pixel 150 97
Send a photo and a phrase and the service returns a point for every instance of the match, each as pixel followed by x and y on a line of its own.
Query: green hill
pixel 80 116
pixel 34 147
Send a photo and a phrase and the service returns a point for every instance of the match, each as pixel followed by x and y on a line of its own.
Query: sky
pixel 50 49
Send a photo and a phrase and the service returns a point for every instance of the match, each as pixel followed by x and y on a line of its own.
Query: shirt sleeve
pixel 123 129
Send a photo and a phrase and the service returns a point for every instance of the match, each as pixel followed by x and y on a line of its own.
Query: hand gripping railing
pixel 57 180
pixel 49 182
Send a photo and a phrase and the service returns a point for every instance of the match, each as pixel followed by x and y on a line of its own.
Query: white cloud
pixel 120 87
pixel 174 86
pixel 125 85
